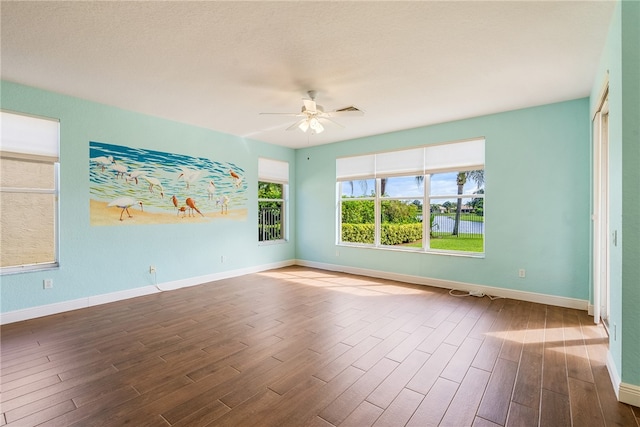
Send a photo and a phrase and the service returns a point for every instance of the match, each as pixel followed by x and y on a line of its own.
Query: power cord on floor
pixel 463 294
pixel 477 294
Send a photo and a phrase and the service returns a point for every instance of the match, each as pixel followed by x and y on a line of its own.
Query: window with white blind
pixel 429 198
pixel 273 187
pixel 29 193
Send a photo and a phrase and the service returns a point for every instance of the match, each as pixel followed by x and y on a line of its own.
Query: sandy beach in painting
pixel 101 214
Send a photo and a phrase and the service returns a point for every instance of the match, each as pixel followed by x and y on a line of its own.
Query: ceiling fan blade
pixel 296 125
pixel 350 111
pixel 282 114
pixel 309 105
pixel 330 121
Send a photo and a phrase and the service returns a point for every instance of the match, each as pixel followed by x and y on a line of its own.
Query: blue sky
pixel 442 183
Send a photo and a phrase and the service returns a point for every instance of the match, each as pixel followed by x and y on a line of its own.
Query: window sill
pixel 479 255
pixel 272 242
pixel 32 268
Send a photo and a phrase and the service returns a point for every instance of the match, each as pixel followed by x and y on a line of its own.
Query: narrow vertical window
pixel 273 187
pixel 28 193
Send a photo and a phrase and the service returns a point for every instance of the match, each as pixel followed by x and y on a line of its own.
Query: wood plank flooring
pixel 304 347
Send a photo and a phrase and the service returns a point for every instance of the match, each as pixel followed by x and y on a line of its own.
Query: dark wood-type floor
pixel 304 347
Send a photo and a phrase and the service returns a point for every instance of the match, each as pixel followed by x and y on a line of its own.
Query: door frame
pixel 600 215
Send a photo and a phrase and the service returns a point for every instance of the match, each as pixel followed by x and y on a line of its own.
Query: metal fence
pixel 444 224
pixel 269 223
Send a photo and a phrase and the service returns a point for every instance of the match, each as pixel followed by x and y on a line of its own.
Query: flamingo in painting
pixel 211 189
pixel 125 203
pixel 237 179
pixel 182 209
pixel 103 161
pixel 192 206
pixel 154 182
pixel 189 176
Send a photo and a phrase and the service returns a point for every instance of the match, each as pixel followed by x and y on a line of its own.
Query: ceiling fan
pixel 313 115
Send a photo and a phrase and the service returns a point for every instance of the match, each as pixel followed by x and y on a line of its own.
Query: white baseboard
pixel 450 284
pixel 61 307
pixel 199 280
pixel 613 374
pixel 626 393
pixel 629 394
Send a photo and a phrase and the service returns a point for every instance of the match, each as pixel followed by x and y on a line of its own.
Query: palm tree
pixel 363 186
pixel 461 180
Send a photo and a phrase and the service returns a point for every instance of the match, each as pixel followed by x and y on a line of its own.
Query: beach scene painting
pixel 136 186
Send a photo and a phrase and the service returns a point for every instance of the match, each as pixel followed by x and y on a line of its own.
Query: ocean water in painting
pixel 154 177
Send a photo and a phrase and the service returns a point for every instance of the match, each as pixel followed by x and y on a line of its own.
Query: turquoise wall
pixel 610 63
pixel 99 260
pixel 537 203
pixel 631 192
pixel 621 58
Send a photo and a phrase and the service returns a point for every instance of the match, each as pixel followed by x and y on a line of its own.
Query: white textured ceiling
pixel 219 64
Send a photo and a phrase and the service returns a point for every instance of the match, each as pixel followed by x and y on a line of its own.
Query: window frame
pixel 430 168
pixel 27 155
pixel 428 201
pixel 274 172
pixel 284 215
pixel 384 198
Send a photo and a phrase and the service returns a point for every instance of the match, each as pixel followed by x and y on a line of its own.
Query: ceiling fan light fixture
pixel 315 125
pixel 304 125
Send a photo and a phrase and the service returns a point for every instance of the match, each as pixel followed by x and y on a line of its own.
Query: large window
pixel 273 180
pixel 429 198
pixel 28 193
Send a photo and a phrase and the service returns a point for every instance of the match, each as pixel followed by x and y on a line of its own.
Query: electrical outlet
pixel 152 269
pixel 47 283
pixel 223 259
pixel 522 273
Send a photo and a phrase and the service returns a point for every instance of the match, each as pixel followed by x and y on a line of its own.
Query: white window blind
pixel 454 156
pixel 402 162
pixel 30 136
pixel 273 170
pixel 357 167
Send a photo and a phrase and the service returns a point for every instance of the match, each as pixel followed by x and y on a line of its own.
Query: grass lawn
pixel 453 243
pixel 458 243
